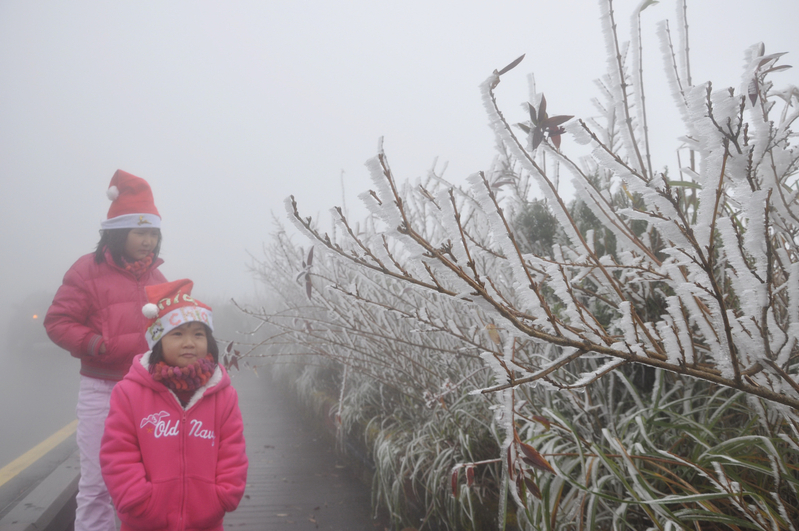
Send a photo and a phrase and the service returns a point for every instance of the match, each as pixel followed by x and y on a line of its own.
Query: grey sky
pixel 226 108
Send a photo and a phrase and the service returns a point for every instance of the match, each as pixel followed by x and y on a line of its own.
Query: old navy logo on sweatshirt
pixel 153 419
pixel 168 429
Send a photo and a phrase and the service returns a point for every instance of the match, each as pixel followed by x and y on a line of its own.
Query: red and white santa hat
pixel 171 305
pixel 132 204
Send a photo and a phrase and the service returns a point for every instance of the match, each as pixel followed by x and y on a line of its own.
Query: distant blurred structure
pixel 25 326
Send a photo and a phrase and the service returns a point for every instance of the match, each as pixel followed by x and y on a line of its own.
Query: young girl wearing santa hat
pixel 173 452
pixel 96 316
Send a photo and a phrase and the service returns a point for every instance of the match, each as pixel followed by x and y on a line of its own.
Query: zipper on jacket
pixel 182 520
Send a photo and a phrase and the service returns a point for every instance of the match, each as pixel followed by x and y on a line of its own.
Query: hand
pixel 102 348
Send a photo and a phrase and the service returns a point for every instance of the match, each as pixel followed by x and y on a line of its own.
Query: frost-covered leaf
pixel 533 113
pixel 493 333
pixel 752 91
pixel 648 3
pixel 685 184
pixel 542 420
pixel 777 69
pixel 534 459
pixel 542 109
pixel 768 58
pixel 538 136
pixel 511 66
pixel 499 184
pixel 555 138
pixel 554 121
pixel 532 487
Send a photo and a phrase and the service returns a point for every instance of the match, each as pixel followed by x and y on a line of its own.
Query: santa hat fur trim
pixel 170 306
pixel 132 204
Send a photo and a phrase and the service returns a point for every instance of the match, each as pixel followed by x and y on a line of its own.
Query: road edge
pixel 41 508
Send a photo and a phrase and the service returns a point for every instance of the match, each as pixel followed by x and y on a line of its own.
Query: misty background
pixel 226 108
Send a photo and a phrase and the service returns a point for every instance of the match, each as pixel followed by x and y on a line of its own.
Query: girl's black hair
pixel 158 350
pixel 114 240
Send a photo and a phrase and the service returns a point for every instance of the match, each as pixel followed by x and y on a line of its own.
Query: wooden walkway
pixel 295 479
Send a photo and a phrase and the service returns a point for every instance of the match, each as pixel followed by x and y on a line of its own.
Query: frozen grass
pixel 683 451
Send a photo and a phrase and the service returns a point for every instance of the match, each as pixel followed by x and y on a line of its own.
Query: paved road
pixel 295 480
pixel 38 394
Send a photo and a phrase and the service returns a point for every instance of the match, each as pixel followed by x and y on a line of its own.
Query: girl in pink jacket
pixel 173 452
pixel 96 316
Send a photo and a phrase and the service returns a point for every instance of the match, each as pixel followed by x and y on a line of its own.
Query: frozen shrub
pixel 624 360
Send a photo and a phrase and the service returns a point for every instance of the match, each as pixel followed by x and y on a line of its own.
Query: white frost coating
pixel 748 347
pixel 682 47
pixel 615 77
pixel 527 298
pixel 793 311
pixel 650 196
pixel 496 367
pixel 628 329
pixel 578 134
pixel 756 234
pixel 671 343
pixel 637 86
pixel 691 173
pixel 567 352
pixel 783 512
pixel 671 75
pixel 710 163
pixel 290 213
pixel 753 293
pixel 453 327
pixel 388 213
pixel 589 240
pixel 723 355
pixel 675 311
pixel 505 398
pixel 450 226
pixel 588 377
pixel 573 312
pixel 599 203
pixel 370 202
pixel 686 292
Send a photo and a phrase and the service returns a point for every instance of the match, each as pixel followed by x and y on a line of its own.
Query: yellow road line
pixel 28 458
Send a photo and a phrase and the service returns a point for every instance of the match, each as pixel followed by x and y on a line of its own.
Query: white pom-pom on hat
pixel 112 193
pixel 150 310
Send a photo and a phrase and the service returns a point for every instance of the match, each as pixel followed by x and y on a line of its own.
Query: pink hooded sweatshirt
pixel 169 467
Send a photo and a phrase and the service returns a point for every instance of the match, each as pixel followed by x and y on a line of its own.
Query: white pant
pixel 94 512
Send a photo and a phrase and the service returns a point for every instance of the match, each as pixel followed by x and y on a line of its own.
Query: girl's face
pixel 140 243
pixel 185 345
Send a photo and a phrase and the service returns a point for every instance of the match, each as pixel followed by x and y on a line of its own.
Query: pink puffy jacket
pixel 101 303
pixel 172 468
